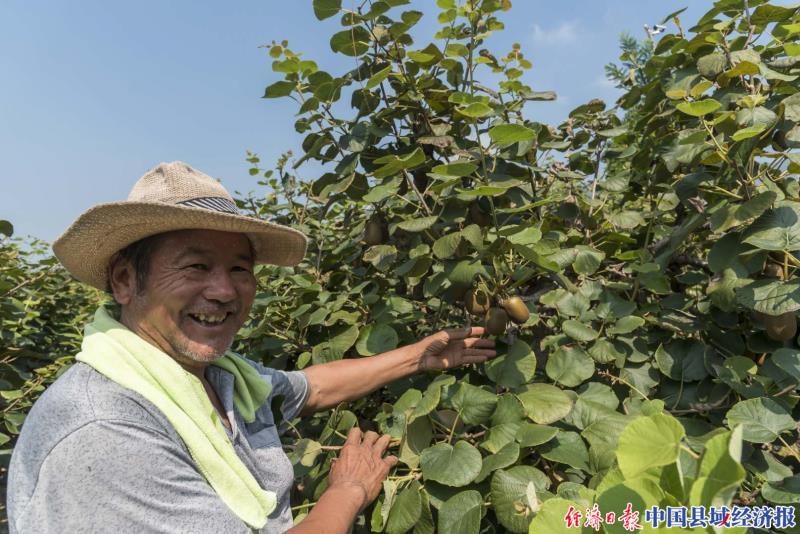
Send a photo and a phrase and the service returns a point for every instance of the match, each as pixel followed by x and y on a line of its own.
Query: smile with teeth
pixel 208 318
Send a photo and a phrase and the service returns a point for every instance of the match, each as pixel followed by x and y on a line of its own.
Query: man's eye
pixel 242 269
pixel 198 266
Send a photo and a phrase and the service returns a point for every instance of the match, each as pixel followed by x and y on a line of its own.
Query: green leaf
pixel 569 366
pixel 279 89
pixel 417 224
pixel 776 229
pixel 475 405
pixel 475 110
pixel 720 471
pixel 509 496
pixel 461 513
pixel 456 169
pixel 788 360
pixel 550 518
pixel 6 228
pixel 649 442
pixel 682 360
pixel 351 42
pixel 324 9
pixel 451 465
pixel 545 403
pixel 446 246
pixel 507 134
pixel 786 491
pixel 712 64
pixel 376 338
pixel 587 260
pixel 514 368
pixel 699 107
pixel 579 331
pixel 507 455
pixel 762 419
pixel 335 348
pixel 405 511
pixel 381 256
pixel 626 325
pixel 567 448
pixel 627 220
pixel 772 297
pixel 393 164
pixel 378 77
pixel 747 133
pixel 791 107
pixel 530 434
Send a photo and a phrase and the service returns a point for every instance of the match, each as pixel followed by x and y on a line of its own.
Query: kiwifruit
pixel 772 270
pixel 779 141
pixel 516 309
pixel 478 215
pixel 421 180
pixel 496 321
pixel 376 231
pixel 780 327
pixel 476 302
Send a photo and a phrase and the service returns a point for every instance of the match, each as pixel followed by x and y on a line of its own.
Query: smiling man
pixel 158 427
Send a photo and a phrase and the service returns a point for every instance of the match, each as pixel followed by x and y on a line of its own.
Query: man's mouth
pixel 210 319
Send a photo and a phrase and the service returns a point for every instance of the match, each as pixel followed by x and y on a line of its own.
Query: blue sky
pixel 95 93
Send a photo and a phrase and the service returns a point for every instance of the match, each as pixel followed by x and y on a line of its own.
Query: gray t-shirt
pixel 94 456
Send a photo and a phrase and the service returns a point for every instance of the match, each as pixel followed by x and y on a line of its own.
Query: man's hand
pixel 361 466
pixel 452 348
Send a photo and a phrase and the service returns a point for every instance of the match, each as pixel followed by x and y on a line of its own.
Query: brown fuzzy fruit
pixel 516 309
pixel 476 302
pixel 478 216
pixel 376 231
pixel 496 321
pixel 772 270
pixel 780 327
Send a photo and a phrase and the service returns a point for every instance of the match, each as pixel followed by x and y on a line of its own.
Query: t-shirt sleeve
pixel 119 476
pixel 289 387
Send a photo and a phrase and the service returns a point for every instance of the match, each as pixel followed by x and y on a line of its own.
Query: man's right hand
pixel 361 467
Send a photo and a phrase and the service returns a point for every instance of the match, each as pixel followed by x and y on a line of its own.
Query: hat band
pixel 212 203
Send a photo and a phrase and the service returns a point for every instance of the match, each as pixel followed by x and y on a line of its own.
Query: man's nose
pixel 220 286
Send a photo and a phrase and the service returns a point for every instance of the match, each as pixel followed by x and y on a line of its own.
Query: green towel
pixel 132 362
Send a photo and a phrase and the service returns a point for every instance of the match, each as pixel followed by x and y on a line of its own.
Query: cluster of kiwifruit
pixel 781 327
pixel 478 302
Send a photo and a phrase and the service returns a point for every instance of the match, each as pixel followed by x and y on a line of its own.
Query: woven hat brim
pixel 89 243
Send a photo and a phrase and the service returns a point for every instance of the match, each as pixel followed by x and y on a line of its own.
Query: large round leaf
pixel 771 297
pixel 682 360
pixel 506 456
pixel 649 442
pixel 405 512
pixel 776 229
pixel 569 366
pixel 514 368
pixel 550 518
pixel 461 513
pixel 510 492
pixel 451 465
pixel 376 338
pixel 475 405
pixel 567 448
pixel 545 403
pixel 762 419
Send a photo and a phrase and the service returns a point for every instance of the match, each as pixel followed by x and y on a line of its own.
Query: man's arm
pixel 356 479
pixel 351 379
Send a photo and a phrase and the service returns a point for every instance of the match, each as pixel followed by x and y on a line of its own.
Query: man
pixel 158 427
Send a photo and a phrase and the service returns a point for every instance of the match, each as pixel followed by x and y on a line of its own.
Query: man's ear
pixel 122 279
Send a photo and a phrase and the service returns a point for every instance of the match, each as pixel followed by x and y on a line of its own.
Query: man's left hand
pixel 453 348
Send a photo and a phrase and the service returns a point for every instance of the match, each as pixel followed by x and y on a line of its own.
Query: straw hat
pixel 171 196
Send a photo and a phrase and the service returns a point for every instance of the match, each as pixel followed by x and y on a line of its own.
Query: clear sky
pixel 94 92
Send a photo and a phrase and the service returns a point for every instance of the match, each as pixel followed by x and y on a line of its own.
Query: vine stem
pixel 791 449
pixel 453 428
pixel 616 378
pixel 690 452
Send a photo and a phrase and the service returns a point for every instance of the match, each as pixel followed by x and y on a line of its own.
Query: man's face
pixel 198 294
